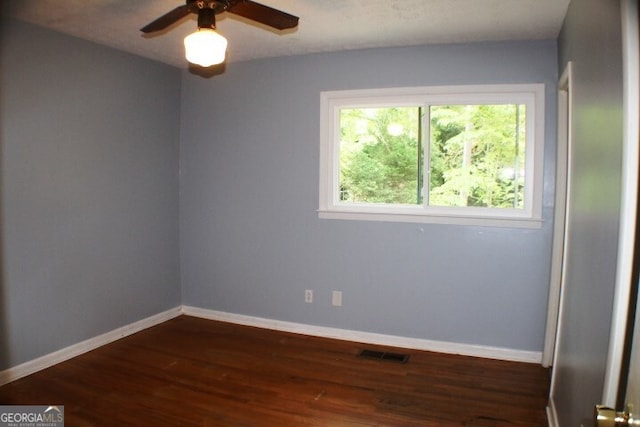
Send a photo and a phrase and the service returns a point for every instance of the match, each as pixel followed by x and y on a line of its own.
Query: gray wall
pixel 89 142
pixel 251 241
pixel 591 38
pixel 90 203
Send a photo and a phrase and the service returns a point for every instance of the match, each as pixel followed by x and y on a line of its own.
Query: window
pixel 460 155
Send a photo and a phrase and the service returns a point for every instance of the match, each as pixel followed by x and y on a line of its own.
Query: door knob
pixel 608 417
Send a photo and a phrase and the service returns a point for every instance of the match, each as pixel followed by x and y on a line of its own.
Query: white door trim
pixel 628 203
pixel 560 215
pixel 561 229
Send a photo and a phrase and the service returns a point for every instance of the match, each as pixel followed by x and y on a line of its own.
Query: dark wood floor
pixel 195 372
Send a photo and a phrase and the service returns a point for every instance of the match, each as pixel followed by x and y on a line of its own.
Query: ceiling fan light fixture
pixel 205 47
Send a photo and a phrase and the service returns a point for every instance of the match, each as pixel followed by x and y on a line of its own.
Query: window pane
pixel 477 156
pixel 381 155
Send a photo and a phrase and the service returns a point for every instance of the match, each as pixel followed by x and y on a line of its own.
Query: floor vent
pixel 383 355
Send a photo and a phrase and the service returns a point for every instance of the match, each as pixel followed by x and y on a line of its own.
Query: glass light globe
pixel 205 47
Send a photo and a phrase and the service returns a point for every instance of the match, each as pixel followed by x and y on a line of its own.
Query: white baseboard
pixel 67 353
pixel 552 415
pixel 74 350
pixel 369 338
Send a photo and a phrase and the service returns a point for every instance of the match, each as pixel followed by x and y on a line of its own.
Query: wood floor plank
pixel 196 372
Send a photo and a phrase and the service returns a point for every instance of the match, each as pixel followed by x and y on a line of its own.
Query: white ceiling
pixel 325 25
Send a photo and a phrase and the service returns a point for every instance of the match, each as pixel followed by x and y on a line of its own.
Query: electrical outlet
pixel 336 298
pixel 308 296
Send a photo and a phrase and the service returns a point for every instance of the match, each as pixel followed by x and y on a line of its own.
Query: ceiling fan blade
pixel 167 19
pixel 264 14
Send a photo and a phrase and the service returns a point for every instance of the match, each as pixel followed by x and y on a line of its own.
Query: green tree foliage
pixel 481 148
pixel 476 155
pixel 379 155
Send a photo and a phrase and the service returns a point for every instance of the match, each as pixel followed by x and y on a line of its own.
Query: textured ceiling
pixel 325 25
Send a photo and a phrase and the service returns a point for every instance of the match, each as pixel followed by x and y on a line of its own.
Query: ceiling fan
pixel 206 47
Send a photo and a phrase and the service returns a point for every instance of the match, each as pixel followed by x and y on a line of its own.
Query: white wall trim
pixel 48 360
pixel 368 337
pixel 552 415
pixel 553 336
pixel 560 223
pixel 74 350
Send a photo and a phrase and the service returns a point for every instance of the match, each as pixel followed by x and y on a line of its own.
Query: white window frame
pixel 531 95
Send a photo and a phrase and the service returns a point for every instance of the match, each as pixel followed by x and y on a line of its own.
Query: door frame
pixel 561 212
pixel 560 232
pixel 629 200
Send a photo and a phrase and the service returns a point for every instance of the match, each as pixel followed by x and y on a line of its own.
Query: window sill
pixel 484 221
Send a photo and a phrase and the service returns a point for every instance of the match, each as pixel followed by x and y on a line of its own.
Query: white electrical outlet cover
pixel 336 298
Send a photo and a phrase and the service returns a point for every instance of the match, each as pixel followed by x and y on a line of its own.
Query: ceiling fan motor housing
pixel 217 6
pixel 207 11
